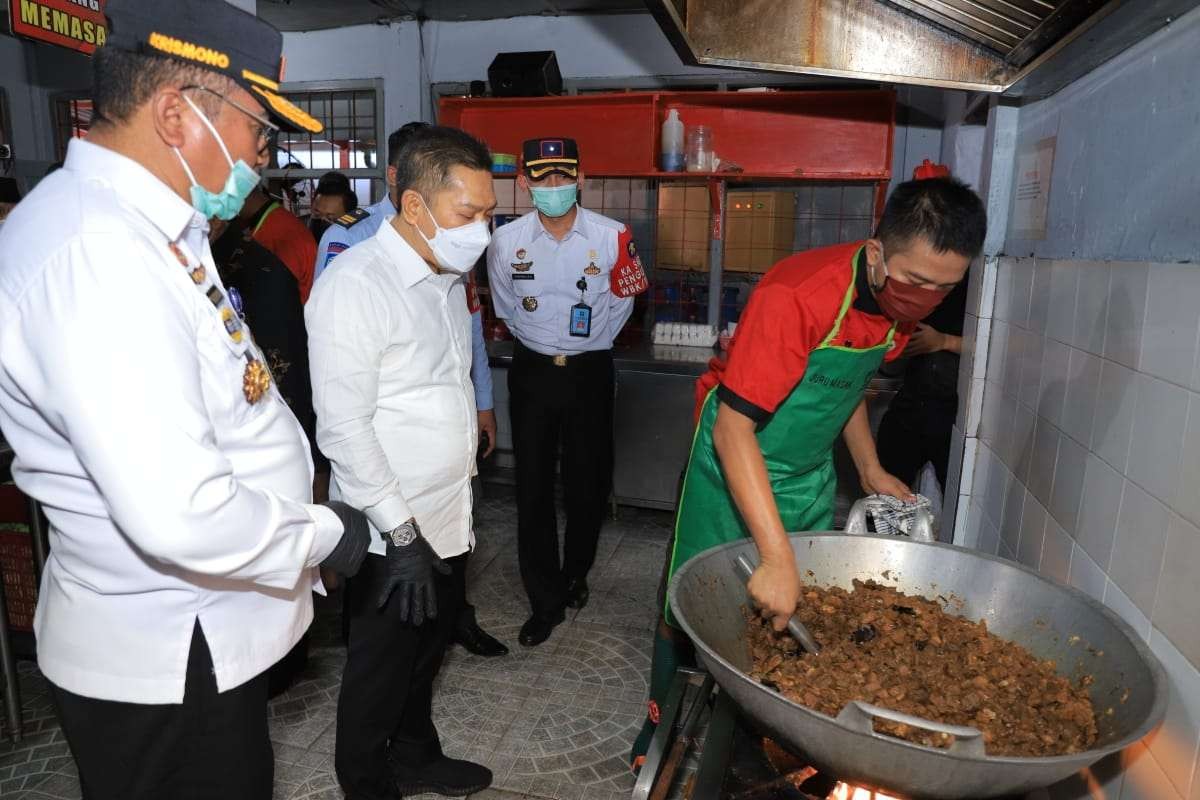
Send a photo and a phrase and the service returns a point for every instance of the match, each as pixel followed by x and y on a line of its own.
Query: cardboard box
pixel 737 259
pixel 696 229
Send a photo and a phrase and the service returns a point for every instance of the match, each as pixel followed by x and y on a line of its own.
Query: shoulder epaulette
pixel 352 218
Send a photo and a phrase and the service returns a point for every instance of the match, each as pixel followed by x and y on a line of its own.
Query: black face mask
pixel 318 227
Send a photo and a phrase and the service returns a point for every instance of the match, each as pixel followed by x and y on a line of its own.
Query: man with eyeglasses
pixel 147 422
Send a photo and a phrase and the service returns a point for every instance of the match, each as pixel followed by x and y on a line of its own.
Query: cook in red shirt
pixel 281 232
pixel 812 336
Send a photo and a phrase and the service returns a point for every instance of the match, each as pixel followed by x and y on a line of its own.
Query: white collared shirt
pixel 390 356
pixel 170 496
pixel 534 278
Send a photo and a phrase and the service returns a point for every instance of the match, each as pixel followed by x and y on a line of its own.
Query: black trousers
pixel 385 705
pixel 549 405
pixel 914 431
pixel 212 745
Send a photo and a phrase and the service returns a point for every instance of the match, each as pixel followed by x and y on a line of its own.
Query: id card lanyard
pixel 581 313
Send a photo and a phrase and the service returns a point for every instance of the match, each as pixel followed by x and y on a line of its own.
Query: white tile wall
pixel 1138 550
pixel 1002 308
pixel 1168 348
pixel 1021 441
pixel 1119 602
pixel 1088 468
pixel 1099 508
pixel 1033 531
pixel 1060 319
pixel 1056 553
pixel 1086 576
pixel 1022 290
pixel 1033 349
pixel 1091 307
pixel 1126 313
pixel 1055 378
pixel 1068 483
pixel 1079 406
pixel 1156 446
pixel 1178 602
pixel 1045 453
pixel 1039 299
pixel 1013 521
pixel 1187 489
pixel 1113 424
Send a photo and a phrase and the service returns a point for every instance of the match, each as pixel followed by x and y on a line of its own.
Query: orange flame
pixel 844 791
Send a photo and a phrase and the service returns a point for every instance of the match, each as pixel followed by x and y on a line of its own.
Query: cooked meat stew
pixel 909 654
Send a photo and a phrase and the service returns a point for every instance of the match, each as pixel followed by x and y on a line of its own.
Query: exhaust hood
pixel 1021 48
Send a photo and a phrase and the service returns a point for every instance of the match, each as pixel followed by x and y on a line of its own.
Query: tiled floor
pixel 555 721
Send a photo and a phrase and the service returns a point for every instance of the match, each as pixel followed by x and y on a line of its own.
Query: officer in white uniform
pixel 390 349
pixel 564 279
pixel 176 480
pixel 361 225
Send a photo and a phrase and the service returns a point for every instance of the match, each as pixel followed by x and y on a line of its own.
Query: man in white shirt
pixel 390 354
pixel 176 481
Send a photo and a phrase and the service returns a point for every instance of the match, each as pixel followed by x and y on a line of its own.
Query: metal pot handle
pixel 859 717
pixel 856 522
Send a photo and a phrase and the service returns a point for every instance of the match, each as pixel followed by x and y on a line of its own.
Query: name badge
pixel 581 320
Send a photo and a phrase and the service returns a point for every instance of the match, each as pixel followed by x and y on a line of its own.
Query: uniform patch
pixel 198 274
pixel 352 218
pixel 521 254
pixel 632 249
pixel 529 303
pixel 593 255
pixel 333 249
pixel 522 266
pixel 523 276
pixel 628 279
pixel 592 269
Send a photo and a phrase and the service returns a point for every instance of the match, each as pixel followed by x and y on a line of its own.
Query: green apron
pixel 797 444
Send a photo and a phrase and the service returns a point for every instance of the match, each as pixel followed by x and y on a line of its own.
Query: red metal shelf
pixel 794 135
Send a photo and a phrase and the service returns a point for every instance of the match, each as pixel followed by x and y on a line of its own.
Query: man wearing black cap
pixel 146 421
pixel 564 279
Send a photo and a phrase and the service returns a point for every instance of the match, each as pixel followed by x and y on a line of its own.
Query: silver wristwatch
pixel 404 534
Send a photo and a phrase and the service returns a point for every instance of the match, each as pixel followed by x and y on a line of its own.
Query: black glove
pixel 410 575
pixel 348 556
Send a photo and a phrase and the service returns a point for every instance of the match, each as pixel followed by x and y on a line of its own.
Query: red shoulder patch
pixel 627 277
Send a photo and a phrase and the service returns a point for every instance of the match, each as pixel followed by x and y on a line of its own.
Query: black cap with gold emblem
pixel 553 154
pixel 214 35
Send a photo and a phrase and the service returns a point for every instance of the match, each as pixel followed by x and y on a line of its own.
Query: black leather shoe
pixel 446 776
pixel 577 593
pixel 537 628
pixel 478 641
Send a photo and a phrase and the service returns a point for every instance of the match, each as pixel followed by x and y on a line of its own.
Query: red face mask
pixel 903 302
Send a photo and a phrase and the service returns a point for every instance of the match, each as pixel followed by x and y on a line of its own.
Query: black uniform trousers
pixel 212 745
pixel 915 430
pixel 572 405
pixel 385 705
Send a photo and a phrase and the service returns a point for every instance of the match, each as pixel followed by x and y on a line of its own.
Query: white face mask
pixel 456 249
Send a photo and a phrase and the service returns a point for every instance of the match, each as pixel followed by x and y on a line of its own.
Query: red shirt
pixel 292 243
pixel 790 313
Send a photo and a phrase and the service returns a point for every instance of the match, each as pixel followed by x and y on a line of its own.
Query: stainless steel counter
pixel 652 423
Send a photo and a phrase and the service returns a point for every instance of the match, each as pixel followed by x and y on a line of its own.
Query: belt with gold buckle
pixel 560 361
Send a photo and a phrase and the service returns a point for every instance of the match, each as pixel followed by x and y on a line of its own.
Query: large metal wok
pixel 1053 621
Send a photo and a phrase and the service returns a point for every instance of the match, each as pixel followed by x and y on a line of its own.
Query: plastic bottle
pixel 672 143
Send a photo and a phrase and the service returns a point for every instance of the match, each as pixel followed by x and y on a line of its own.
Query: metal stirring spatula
pixel 795 627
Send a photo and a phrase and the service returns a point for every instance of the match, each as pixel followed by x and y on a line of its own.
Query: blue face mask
pixel 554 202
pixel 226 203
